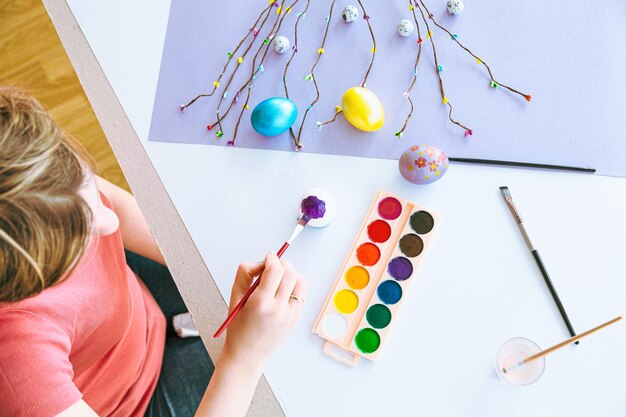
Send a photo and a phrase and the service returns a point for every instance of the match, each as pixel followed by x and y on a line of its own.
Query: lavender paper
pixel 568 55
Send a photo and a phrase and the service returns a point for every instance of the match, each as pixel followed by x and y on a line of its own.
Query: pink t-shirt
pixel 98 335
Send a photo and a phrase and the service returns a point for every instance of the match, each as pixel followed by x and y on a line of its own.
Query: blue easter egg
pixel 273 116
pixel 423 164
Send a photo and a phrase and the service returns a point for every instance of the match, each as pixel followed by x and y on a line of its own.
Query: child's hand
pixel 268 315
pixel 263 322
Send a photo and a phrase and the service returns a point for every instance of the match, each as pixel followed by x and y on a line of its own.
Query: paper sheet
pixel 567 55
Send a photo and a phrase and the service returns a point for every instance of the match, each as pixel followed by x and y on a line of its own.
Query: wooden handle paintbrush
pixel 559 345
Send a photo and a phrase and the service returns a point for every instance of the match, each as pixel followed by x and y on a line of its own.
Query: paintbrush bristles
pixel 518 217
pixel 511 368
pixel 506 193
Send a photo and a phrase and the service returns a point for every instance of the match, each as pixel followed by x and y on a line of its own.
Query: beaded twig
pixel 254 71
pixel 219 133
pixel 339 110
pixel 493 83
pixel 369 27
pixel 282 13
pixel 232 76
pixel 407 93
pixel 294 51
pixel 444 99
pixel 254 31
pixel 311 76
pixel 421 6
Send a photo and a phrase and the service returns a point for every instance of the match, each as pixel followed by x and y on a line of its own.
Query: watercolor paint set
pixel 371 285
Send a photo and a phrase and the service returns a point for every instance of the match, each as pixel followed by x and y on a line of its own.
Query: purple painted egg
pixel 423 164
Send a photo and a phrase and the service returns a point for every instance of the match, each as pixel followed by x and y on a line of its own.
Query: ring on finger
pixel 295 297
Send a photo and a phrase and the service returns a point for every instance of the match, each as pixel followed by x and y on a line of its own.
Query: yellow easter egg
pixel 363 109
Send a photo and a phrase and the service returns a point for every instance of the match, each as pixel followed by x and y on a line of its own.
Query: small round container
pixel 513 351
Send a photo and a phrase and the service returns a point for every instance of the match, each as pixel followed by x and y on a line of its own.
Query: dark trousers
pixel 186 368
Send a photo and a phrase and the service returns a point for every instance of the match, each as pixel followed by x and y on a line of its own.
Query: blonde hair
pixel 44 224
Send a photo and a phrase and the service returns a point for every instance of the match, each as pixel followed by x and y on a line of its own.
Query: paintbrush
pixel 521 164
pixel 312 208
pixel 518 218
pixel 558 346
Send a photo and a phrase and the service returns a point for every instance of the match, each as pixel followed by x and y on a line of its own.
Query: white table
pixel 477 287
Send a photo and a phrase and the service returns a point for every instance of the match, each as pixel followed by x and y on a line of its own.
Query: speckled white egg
pixel 423 164
pixel 330 205
pixel 454 7
pixel 350 14
pixel 281 44
pixel 405 28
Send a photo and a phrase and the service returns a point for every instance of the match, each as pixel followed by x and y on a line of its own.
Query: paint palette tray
pixel 370 287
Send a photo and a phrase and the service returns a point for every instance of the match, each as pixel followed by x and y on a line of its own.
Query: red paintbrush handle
pixel 247 295
pixel 282 249
pixel 238 307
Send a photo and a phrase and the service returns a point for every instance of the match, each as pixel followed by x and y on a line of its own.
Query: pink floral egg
pixel 423 164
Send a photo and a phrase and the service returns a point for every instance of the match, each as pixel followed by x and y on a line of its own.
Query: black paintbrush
pixel 521 164
pixel 518 218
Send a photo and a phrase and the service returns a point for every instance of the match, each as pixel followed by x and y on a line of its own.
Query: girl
pixel 80 333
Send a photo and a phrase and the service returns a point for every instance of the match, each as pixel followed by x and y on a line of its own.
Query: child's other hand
pixel 268 315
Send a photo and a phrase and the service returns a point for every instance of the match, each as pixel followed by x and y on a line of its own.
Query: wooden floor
pixel 31 56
